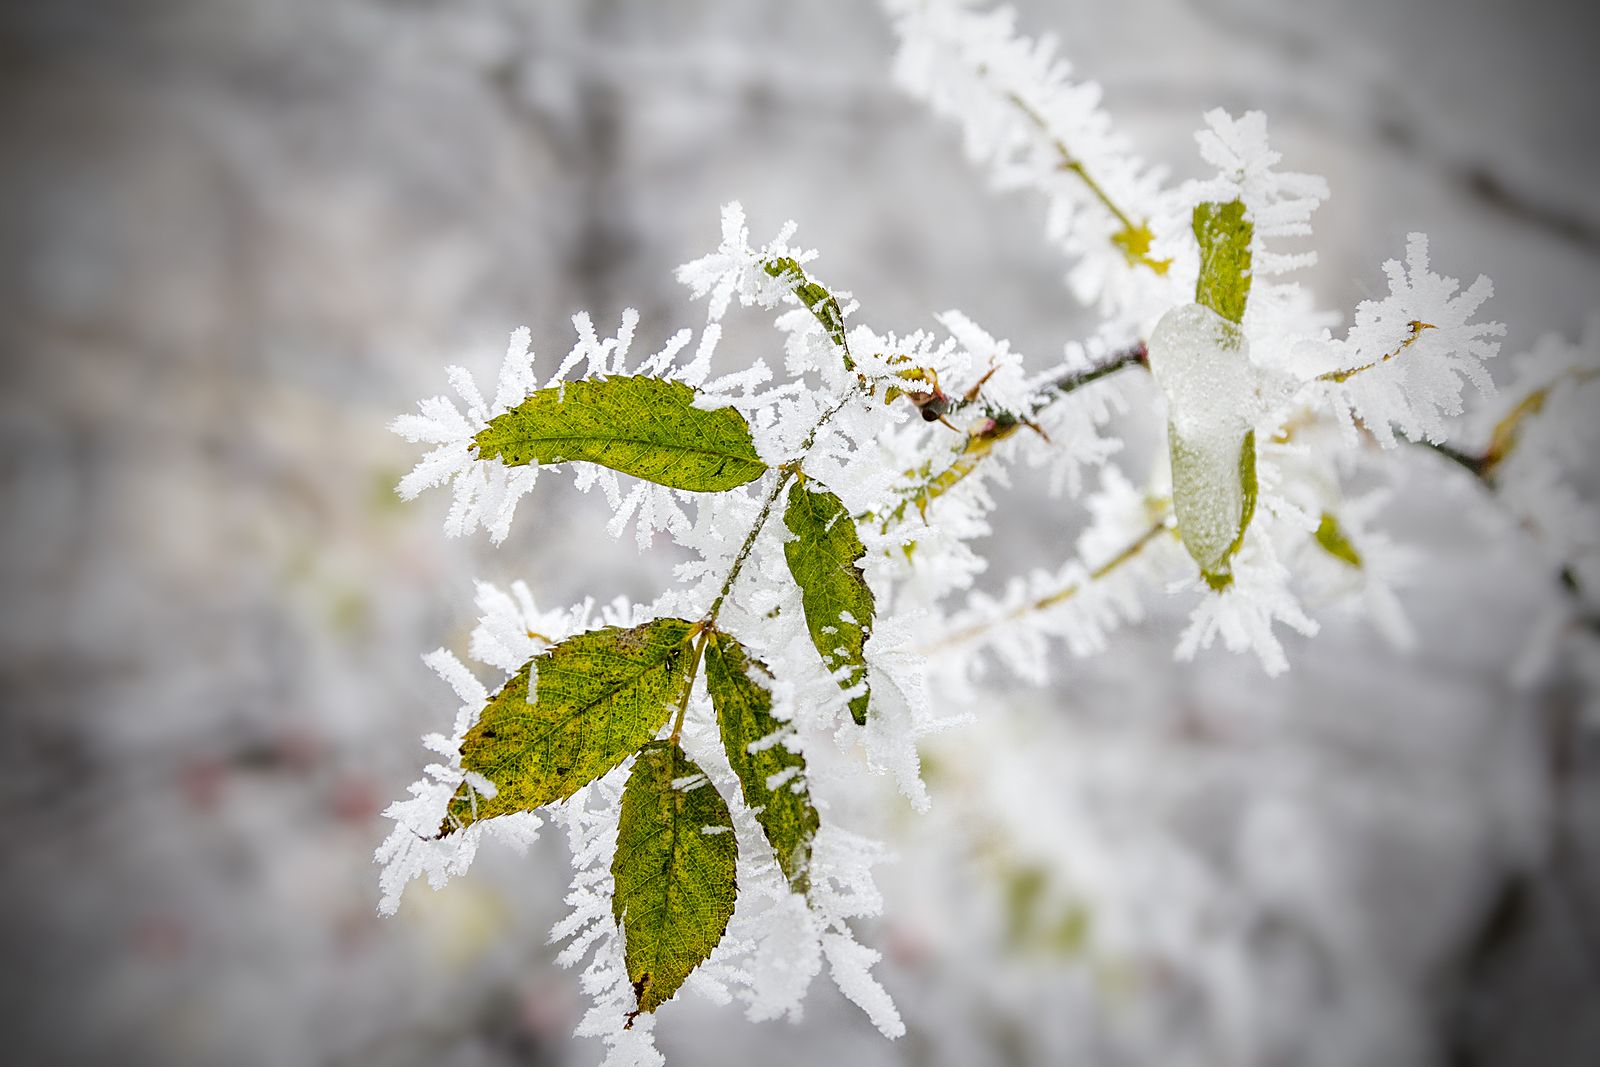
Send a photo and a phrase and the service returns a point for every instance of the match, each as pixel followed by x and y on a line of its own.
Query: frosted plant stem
pixel 1134 354
pixel 1003 424
pixel 1483 465
pixel 1474 465
pixel 1127 554
pixel 1346 375
pixel 1104 569
pixel 1070 162
pixel 694 669
pixel 788 471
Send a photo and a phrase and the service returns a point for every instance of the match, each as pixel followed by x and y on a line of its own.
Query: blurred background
pixel 240 235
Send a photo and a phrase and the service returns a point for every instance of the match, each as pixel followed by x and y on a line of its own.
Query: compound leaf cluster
pixel 588 703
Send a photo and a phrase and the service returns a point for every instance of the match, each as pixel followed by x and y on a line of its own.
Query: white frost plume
pixel 777 940
pixel 901 712
pixel 1074 437
pixel 486 491
pixel 1351 564
pixel 416 847
pixel 1243 614
pixel 512 628
pixel 1126 547
pixel 1278 203
pixel 589 818
pixel 1408 357
pixel 737 270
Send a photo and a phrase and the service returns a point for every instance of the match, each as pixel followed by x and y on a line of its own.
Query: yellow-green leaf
pixel 823 305
pixel 597 697
pixel 646 427
pixel 771 777
pixel 1224 234
pixel 1331 536
pixel 1134 242
pixel 674 871
pixel 824 559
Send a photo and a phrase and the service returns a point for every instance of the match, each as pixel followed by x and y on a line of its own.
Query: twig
pixel 1126 554
pixel 1350 372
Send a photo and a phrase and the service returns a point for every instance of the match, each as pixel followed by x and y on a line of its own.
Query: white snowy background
pixel 240 235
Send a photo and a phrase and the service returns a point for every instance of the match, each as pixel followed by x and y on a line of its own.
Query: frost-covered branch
pixel 703 752
pixel 1026 119
pixel 1049 600
pixel 1132 238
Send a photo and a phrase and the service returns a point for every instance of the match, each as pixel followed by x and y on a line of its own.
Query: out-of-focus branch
pixel 1568 861
pixel 1127 554
pixel 1134 238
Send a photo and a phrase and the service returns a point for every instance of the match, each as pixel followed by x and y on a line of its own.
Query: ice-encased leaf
pixel 824 558
pixel 646 427
pixel 674 871
pixel 1224 235
pixel 1201 361
pixel 1213 499
pixel 597 698
pixel 771 777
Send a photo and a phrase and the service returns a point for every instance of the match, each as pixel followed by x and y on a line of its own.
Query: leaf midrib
pixel 642 441
pixel 675 807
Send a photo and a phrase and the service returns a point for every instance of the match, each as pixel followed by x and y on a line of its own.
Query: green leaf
pixel 598 697
pixel 1224 234
pixel 1331 536
pixel 675 883
pixel 1134 243
pixel 646 427
pixel 823 305
pixel 740 692
pixel 824 559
